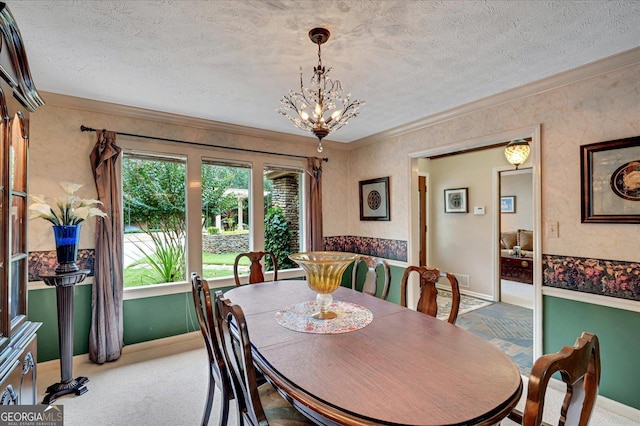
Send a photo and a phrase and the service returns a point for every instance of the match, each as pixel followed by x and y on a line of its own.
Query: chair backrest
pixel 427 304
pixel 579 368
pixel 255 269
pixel 210 334
pixel 236 347
pixel 370 285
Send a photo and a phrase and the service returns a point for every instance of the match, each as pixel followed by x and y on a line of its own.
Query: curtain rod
pixel 84 128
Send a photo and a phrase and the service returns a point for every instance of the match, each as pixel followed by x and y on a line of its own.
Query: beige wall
pixel 597 109
pixel 519 184
pixel 602 108
pixel 60 152
pixel 461 243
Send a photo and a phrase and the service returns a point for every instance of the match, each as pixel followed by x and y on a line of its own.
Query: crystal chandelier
pixel 321 108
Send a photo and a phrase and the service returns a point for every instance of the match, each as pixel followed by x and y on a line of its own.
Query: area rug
pixel 508 327
pixel 467 304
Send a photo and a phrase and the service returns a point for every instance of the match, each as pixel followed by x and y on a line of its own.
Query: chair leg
pixel 224 409
pixel 207 408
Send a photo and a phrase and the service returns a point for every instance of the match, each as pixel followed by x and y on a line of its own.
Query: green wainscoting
pixel 618 331
pixel 156 317
pixel 162 316
pixel 42 308
pixel 144 319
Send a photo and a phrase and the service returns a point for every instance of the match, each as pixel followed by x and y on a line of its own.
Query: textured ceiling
pixel 232 61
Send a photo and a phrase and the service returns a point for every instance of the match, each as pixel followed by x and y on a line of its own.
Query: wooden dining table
pixel 403 368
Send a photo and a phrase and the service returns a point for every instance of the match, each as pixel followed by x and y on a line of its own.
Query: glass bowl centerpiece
pixel 324 272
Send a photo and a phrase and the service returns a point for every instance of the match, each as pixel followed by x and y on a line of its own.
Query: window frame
pixel 302 184
pixel 196 155
pixel 146 156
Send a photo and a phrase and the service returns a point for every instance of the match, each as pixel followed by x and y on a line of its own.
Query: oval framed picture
pixel 625 181
pixel 610 175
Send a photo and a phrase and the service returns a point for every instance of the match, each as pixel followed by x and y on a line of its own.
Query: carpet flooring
pixel 166 384
pixel 156 388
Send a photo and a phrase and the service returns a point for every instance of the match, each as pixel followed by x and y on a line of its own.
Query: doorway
pixel 516 237
pixel 485 252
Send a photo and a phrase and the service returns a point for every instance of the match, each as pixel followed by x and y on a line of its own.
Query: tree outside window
pixel 154 217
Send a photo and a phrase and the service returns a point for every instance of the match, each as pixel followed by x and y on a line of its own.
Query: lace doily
pixel 298 317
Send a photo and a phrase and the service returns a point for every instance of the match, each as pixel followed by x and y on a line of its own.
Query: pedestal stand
pixel 65 286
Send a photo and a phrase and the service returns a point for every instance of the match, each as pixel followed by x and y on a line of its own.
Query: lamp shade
pixel 517 151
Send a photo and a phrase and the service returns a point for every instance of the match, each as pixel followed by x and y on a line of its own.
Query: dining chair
pixel 579 368
pixel 257 405
pixel 370 284
pixel 218 376
pixel 255 269
pixel 427 303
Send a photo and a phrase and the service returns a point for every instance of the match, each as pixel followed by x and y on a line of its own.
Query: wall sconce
pixel 517 151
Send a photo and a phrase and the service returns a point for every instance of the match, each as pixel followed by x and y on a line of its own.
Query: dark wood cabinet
pixel 18 98
pixel 518 269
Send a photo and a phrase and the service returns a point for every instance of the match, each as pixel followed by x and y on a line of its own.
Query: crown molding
pixel 590 70
pixel 72 102
pixel 593 69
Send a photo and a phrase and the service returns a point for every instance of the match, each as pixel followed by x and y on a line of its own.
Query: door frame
pixel 424 217
pixel 496 221
pixel 534 162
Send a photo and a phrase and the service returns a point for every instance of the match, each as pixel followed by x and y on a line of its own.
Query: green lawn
pixel 222 259
pixel 137 276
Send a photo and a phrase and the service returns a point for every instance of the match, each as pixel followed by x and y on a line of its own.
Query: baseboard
pixel 143 350
pixel 603 402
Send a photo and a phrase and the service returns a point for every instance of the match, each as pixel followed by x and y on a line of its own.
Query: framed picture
pixel 610 176
pixel 508 204
pixel 374 199
pixel 455 200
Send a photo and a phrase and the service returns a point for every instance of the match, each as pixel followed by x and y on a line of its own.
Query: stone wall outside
pixel 225 243
pixel 285 195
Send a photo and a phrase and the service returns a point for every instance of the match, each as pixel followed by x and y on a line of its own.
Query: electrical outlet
pixel 552 230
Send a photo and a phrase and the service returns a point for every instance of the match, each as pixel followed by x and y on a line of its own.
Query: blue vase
pixel 67 237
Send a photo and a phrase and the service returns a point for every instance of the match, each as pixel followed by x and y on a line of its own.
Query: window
pixel 192 208
pixel 154 213
pixel 283 226
pixel 225 216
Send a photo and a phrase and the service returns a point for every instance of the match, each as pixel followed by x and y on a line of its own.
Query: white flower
pixel 71 209
pixel 38 198
pixel 88 202
pixel 81 212
pixel 94 211
pixel 87 212
pixel 69 187
pixel 40 210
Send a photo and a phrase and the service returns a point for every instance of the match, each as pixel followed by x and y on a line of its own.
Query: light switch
pixel 552 229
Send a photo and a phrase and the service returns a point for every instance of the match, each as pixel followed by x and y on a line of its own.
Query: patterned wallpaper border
pixel 379 247
pixel 46 261
pixel 604 277
pixel 587 275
